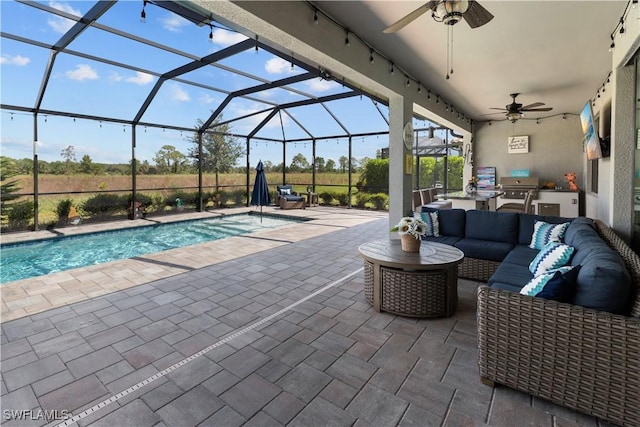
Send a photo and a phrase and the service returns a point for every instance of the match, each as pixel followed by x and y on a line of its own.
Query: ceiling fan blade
pixel 496 108
pixel 491 114
pixel 401 23
pixel 537 109
pixel 534 105
pixel 476 15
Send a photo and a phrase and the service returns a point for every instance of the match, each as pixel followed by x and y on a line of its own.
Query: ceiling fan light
pixel 450 11
pixel 514 116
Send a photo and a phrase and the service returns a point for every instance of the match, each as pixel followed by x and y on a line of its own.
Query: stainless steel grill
pixel 517 188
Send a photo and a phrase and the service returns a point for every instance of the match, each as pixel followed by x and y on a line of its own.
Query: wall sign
pixel 518 144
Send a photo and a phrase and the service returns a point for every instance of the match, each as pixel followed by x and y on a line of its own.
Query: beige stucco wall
pixel 555 147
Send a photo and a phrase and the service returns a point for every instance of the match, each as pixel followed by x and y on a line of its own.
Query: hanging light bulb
pixel 621 32
pixel 371 60
pixel 143 14
pixel 315 16
pixel 210 33
pixel 346 39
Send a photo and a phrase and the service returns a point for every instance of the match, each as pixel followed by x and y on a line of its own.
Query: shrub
pixel 239 197
pixel 20 214
pixel 343 199
pixel 106 204
pixel 62 209
pixel 362 199
pixel 375 177
pixel 380 201
pixel 327 197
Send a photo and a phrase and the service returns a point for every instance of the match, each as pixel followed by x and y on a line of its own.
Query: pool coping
pixel 29 296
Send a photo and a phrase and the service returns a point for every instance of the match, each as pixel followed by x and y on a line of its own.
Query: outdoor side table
pixel 423 284
pixel 312 198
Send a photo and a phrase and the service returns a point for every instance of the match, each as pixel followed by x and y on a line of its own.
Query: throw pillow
pixel 558 285
pixel 285 191
pixel 552 256
pixel 544 233
pixel 432 221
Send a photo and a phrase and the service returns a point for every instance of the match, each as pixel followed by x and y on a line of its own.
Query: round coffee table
pixel 423 284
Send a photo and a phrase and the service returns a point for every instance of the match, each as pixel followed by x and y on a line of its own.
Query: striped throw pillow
pixel 552 256
pixel 432 221
pixel 544 233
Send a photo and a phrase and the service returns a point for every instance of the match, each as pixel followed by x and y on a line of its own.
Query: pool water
pixel 37 258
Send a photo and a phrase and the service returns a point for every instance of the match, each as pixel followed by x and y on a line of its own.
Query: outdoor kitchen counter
pixel 481 199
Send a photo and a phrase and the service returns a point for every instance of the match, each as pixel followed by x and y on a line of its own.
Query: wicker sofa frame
pixel 580 358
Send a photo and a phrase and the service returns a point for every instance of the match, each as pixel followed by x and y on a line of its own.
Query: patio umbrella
pixel 260 196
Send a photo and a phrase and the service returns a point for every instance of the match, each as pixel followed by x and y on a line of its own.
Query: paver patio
pixel 278 335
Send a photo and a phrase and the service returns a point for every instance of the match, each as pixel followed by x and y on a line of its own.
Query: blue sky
pixel 82 85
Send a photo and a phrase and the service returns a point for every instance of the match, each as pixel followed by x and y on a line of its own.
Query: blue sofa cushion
pixel 492 226
pixel 484 249
pixel 556 285
pixel 521 255
pixel 528 220
pixel 511 274
pixel 543 233
pixel 603 282
pixel 452 221
pixel 552 256
pixel 289 198
pixel 447 240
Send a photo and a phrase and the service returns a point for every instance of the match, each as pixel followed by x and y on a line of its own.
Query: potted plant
pixel 411 230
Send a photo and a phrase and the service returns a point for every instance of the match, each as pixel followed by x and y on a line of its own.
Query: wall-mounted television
pixel 592 142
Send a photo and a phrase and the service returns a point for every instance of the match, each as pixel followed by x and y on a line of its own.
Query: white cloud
pixel 174 23
pixel 18 60
pixel 58 23
pixel 178 94
pixel 277 66
pixel 319 85
pixel 140 79
pixel 227 38
pixel 82 72
pixel 207 99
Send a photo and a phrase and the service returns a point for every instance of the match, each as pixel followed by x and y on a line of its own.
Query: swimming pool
pixel 37 258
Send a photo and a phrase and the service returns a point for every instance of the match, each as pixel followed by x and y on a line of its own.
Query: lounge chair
pixel 286 198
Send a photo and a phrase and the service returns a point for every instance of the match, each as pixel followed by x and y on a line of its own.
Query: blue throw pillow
pixel 558 285
pixel 553 256
pixel 432 221
pixel 543 233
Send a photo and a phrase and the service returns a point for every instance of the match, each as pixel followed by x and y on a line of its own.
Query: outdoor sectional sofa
pixel 583 353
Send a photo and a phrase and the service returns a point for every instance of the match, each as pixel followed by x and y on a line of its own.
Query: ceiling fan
pixel 515 111
pixel 450 12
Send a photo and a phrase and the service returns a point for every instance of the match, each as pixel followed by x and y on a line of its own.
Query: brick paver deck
pixel 270 329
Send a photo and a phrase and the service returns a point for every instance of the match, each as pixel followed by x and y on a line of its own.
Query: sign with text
pixel 518 144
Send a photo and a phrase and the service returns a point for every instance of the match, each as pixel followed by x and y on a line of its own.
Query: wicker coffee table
pixel 423 284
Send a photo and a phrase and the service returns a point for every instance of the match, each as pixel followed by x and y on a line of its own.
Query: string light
pixel 143 14
pixel 392 68
pixel 257 43
pixel 210 33
pixel 347 42
pixel 371 60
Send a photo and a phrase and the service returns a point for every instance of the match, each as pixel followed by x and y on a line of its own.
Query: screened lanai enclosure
pixel 111 105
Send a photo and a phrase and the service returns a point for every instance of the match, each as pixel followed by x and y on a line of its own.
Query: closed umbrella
pixel 260 196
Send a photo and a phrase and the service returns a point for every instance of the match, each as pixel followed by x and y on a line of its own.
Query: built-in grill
pixel 516 187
